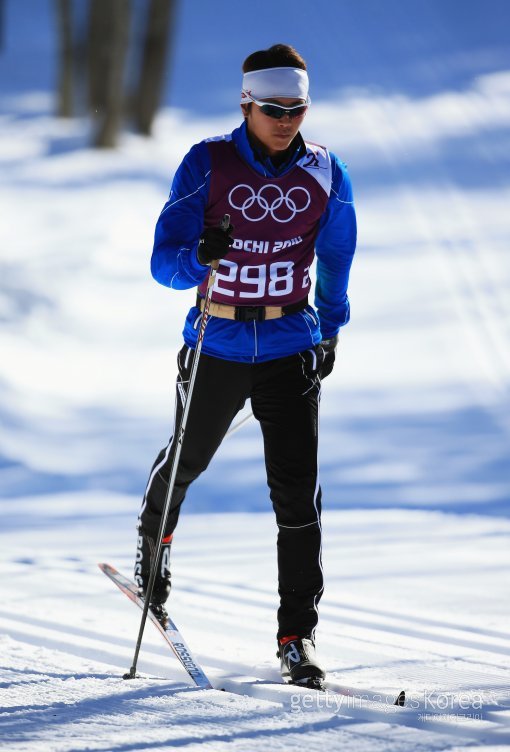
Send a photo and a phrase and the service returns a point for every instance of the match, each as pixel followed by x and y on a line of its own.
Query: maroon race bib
pixel 275 220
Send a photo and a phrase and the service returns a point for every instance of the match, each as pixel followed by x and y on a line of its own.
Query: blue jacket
pixel 175 263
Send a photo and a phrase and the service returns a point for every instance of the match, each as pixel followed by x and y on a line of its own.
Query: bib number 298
pixel 255 281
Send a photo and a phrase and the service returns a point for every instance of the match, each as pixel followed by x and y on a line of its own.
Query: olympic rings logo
pixel 269 200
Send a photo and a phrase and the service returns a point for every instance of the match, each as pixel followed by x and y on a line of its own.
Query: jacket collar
pixel 261 162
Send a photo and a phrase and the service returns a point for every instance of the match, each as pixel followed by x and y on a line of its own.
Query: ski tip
pixel 107 568
pixel 401 699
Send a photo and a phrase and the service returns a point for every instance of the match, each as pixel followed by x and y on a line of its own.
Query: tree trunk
pixel 2 25
pixel 65 56
pixel 108 41
pixel 158 33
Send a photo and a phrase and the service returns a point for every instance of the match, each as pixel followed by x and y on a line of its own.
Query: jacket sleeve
pixel 334 247
pixel 174 261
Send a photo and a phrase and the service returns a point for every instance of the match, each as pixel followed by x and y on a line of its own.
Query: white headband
pixel 275 82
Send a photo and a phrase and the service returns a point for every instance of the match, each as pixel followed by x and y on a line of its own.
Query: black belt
pixel 258 313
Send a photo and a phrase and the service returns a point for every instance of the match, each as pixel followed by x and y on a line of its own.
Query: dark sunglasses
pixel 277 111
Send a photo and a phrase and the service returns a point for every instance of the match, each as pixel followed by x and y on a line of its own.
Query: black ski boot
pixel 299 663
pixel 145 551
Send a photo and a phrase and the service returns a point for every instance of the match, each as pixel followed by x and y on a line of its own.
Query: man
pixel 286 198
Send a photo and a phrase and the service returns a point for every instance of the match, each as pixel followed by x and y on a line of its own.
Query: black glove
pixel 312 361
pixel 328 347
pixel 214 244
pixel 320 360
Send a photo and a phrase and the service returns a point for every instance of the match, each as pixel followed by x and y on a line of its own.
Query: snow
pixel 414 430
pixel 398 613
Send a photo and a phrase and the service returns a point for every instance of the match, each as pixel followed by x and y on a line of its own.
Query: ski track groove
pixel 437 631
pixel 374 713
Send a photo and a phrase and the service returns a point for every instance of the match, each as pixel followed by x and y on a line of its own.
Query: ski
pixel 373 697
pixel 330 695
pixel 170 632
pixel 328 686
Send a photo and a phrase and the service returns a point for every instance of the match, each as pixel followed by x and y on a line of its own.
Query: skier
pixel 287 199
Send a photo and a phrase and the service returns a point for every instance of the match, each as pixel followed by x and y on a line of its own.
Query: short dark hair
pixel 277 56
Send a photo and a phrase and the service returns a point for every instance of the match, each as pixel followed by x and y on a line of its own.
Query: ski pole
pixel 238 425
pixel 175 463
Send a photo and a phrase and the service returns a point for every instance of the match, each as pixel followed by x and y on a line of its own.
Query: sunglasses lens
pixel 273 111
pixel 276 112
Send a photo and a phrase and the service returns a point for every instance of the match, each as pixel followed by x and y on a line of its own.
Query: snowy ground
pixel 415 432
pixel 403 609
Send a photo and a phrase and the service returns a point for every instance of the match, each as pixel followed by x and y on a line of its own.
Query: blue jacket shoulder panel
pixel 174 261
pixel 335 246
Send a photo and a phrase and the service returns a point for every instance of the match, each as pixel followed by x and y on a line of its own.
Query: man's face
pixel 274 135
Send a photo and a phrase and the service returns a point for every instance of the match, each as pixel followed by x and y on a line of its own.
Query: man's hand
pixel 214 244
pixel 329 348
pixel 319 361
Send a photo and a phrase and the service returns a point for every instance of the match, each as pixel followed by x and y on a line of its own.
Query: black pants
pixel 285 400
